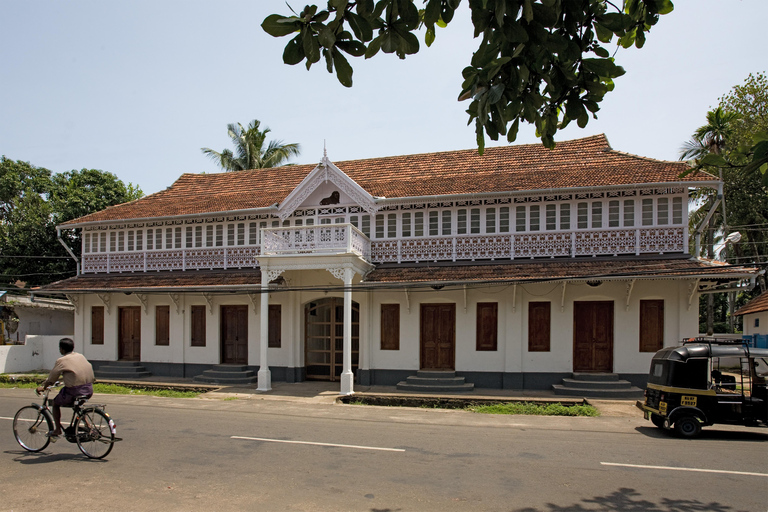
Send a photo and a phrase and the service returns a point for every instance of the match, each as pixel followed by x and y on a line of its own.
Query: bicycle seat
pixel 80 400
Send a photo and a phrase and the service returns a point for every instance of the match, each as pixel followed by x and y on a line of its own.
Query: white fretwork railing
pixel 319 239
pixel 607 242
pixel 346 239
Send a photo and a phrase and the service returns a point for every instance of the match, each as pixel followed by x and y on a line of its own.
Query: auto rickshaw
pixel 707 381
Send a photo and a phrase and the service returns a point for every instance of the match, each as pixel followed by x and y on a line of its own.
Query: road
pixel 253 454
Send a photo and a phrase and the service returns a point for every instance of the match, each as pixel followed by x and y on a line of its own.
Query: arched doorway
pixel 324 338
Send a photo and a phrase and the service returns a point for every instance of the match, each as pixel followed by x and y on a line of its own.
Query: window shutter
pixel 487 326
pixel 390 327
pixel 275 326
pixel 162 325
pixel 651 325
pixel 197 319
pixel 539 326
pixel 97 325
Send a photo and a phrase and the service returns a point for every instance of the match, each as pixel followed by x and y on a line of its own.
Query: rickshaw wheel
pixel 688 426
pixel 657 420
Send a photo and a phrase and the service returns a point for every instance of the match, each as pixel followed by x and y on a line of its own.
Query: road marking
pixel 320 444
pixel 695 470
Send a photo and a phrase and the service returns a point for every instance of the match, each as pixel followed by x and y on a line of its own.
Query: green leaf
pixel 714 160
pixel 429 36
pixel 278 26
pixel 604 68
pixel 343 69
pixel 360 27
pixel 512 132
pixel 324 35
pixel 373 47
pixel 294 51
pixel 354 48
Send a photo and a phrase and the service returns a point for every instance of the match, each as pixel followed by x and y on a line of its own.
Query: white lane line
pixel 695 470
pixel 319 444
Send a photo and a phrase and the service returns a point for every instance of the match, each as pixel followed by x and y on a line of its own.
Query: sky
pixel 138 88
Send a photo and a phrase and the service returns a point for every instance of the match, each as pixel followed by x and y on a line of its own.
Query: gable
pixel 327 185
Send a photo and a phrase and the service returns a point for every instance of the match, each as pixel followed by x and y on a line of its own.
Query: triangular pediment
pixel 327 185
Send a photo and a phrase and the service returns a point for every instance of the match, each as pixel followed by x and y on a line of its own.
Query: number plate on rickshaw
pixel 662 408
pixel 688 400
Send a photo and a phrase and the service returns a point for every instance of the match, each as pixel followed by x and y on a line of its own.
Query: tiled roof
pixel 587 162
pixel 756 305
pixel 158 281
pixel 513 271
pixel 534 270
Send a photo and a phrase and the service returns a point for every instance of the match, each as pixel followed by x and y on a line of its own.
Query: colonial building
pixel 514 269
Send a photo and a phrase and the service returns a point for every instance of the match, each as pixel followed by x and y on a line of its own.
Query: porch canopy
pixel 708 273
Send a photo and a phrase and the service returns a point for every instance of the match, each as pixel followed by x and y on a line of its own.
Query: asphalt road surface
pixel 256 454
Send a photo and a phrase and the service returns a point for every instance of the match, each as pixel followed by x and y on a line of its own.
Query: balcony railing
pixel 319 239
pixel 608 242
pixel 326 239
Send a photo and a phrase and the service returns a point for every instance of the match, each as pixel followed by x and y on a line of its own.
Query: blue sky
pixel 137 88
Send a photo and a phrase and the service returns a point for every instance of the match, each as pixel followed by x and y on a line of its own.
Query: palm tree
pixel 250 149
pixel 711 138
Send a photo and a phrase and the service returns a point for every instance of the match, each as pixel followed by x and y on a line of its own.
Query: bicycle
pixel 90 427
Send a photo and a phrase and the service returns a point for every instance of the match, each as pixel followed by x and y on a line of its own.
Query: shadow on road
pixel 23 457
pixel 708 434
pixel 627 500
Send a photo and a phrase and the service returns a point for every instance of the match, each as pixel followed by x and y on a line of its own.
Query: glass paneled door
pixel 324 338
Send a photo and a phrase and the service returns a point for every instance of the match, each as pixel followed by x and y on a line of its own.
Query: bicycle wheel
pixel 31 427
pixel 94 433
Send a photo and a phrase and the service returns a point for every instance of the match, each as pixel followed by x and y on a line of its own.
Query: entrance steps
pixel 125 370
pixel 435 382
pixel 228 374
pixel 597 385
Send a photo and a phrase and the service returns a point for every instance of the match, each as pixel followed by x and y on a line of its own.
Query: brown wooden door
pixel 129 333
pixel 438 336
pixel 593 336
pixel 234 334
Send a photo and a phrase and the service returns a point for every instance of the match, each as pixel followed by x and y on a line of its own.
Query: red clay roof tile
pixel 587 162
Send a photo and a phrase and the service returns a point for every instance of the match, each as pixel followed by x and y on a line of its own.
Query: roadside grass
pixel 536 409
pixel 31 382
pixel 519 408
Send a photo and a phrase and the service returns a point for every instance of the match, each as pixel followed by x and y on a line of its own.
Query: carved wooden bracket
pixel 176 299
pixel 106 299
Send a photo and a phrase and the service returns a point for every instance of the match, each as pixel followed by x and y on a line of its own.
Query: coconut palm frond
pixel 250 151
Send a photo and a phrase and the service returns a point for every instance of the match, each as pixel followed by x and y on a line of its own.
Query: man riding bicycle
pixel 77 375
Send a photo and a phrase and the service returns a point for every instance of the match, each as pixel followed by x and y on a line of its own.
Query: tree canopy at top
pixel 542 61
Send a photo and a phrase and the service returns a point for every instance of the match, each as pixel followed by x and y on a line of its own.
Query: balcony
pixel 320 239
pixel 334 239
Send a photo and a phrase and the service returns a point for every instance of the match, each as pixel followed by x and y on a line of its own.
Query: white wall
pixel 512 355
pixel 749 323
pixel 38 353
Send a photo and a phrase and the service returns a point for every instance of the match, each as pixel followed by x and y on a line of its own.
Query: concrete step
pixel 595 376
pixel 427 388
pixel 435 381
pixel 227 374
pixel 122 370
pixel 203 379
pixel 435 374
pixel 609 393
pixel 428 381
pixel 597 384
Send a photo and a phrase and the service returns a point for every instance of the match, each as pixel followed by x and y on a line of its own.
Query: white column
pixel 264 375
pixel 347 377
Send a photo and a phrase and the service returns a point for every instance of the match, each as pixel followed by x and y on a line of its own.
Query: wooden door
pixel 324 338
pixel 438 336
pixel 593 336
pixel 234 334
pixel 129 333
